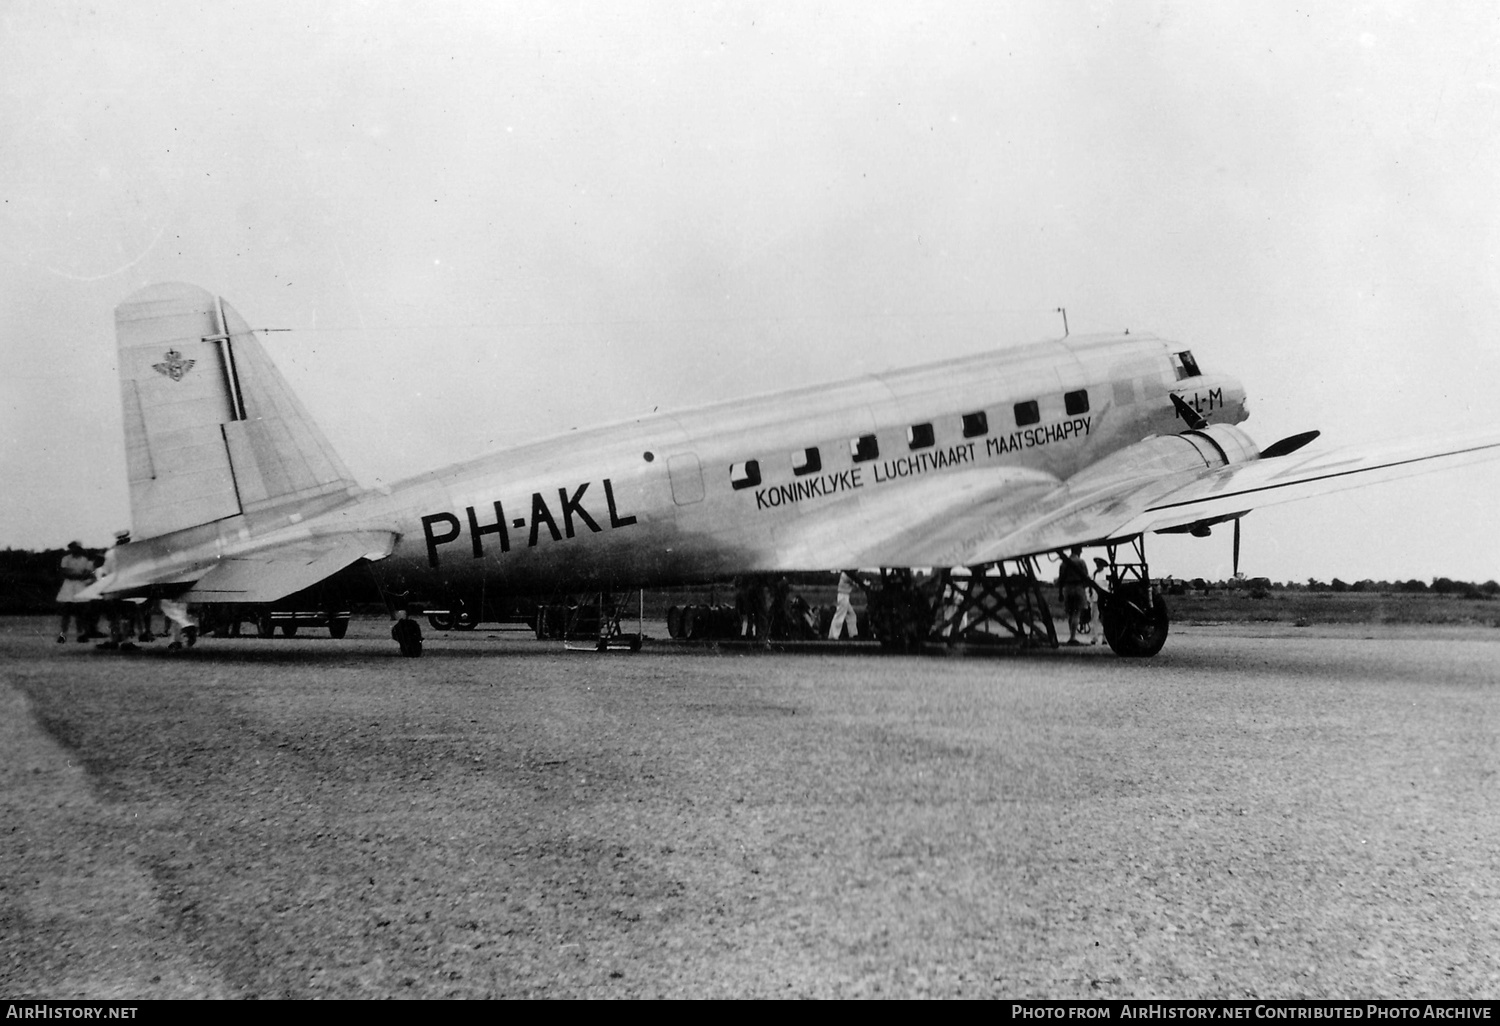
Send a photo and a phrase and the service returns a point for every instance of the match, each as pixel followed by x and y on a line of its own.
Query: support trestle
pixel 1006 602
pixel 999 602
pixel 996 602
pixel 592 621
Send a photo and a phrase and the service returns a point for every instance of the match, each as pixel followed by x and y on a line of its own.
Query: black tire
pixel 674 622
pixel 265 627
pixel 440 621
pixel 464 618
pixel 338 626
pixel 288 630
pixel 1133 626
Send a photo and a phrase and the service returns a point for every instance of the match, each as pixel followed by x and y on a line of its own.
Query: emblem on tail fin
pixel 174 366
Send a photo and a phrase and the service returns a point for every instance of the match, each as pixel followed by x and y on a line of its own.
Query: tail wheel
pixel 1135 621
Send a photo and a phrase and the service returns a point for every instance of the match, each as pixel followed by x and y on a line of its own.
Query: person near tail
pixel 77 570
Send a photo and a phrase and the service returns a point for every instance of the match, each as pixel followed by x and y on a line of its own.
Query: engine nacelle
pixel 1218 445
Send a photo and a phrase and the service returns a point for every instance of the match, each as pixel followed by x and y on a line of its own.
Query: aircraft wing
pixel 1269 482
pixel 890 528
pixel 983 515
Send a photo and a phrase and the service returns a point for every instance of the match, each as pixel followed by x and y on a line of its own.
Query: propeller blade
pixel 1289 444
pixel 1195 421
pixel 1236 547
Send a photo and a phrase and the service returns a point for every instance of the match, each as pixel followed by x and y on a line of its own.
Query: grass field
pixel 1281 606
pixel 1300 813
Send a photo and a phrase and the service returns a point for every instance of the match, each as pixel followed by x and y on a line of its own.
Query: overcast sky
pixel 491 222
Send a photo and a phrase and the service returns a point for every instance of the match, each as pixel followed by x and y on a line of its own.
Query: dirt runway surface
pixel 1280 815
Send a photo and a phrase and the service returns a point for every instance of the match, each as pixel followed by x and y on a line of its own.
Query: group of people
pixel 1080 595
pixel 767 609
pixel 129 619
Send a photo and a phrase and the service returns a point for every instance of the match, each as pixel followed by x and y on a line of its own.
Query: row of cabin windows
pixel 918 436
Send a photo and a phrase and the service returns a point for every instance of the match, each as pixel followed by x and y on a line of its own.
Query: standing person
pixel 1073 581
pixel 76 569
pixel 181 624
pixel 121 612
pixel 742 609
pixel 844 610
pixel 407 633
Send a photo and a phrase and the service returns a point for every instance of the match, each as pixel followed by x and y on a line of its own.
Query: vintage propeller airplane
pixel 951 479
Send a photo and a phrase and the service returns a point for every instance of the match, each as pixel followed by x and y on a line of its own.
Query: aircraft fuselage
pixel 691 496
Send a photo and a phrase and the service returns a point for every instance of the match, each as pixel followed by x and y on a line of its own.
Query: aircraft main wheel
pixel 288 630
pixel 440 621
pixel 465 619
pixel 338 626
pixel 1134 627
pixel 265 627
pixel 674 622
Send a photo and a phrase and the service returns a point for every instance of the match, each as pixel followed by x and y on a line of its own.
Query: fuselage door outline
pixel 686 474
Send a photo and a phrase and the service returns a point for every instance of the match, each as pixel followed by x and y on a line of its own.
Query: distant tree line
pixel 1259 587
pixel 29 580
pixel 1439 586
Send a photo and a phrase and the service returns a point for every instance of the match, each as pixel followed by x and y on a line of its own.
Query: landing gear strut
pixel 1133 610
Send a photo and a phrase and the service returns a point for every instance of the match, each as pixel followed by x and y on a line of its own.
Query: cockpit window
pixel 1185 366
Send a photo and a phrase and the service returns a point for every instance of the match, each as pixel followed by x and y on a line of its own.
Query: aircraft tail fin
pixel 211 428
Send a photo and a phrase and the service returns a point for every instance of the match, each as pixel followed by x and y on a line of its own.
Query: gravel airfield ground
pixel 1264 812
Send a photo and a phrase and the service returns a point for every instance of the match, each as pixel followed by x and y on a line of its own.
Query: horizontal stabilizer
pixel 279 572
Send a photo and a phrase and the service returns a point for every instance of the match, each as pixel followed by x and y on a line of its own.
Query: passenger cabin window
pixel 745 475
pixel 1027 413
pixel 1076 402
pixel 919 436
pixel 1185 366
pixel 976 424
pixel 863 448
pixel 808 461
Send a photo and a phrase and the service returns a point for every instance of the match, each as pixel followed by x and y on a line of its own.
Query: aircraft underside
pixel 1001 603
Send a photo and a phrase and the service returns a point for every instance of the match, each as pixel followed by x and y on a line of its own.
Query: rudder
pixel 212 430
